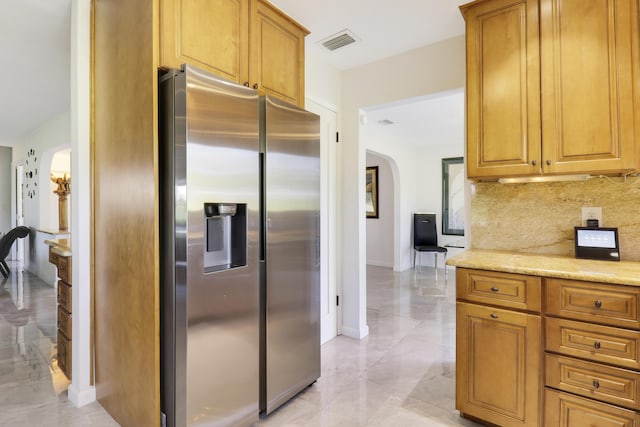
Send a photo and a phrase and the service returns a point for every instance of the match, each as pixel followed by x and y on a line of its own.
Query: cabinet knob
pixel 255 86
pixel 598 303
pixel 596 384
pixel 494 289
pixel 548 162
pixel 534 162
pixel 596 345
pixel 246 84
pixel 494 316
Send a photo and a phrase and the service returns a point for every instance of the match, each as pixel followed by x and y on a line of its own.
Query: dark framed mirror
pixel 453 196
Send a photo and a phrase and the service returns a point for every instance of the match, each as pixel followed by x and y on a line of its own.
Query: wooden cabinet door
pixel 277 54
pixel 498 365
pixel 212 34
pixel 589 58
pixel 503 89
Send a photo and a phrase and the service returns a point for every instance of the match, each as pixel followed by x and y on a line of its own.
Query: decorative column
pixel 63 190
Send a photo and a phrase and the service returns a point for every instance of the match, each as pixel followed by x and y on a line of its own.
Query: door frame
pixel 330 286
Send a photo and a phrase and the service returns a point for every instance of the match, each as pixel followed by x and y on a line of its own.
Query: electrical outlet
pixel 591 213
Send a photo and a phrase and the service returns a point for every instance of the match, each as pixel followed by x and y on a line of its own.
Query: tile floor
pixel 401 375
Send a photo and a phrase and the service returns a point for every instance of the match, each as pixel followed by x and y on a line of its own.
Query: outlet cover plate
pixel 591 213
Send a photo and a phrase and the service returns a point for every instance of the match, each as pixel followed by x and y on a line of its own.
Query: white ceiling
pixel 433 120
pixel 34 40
pixel 383 27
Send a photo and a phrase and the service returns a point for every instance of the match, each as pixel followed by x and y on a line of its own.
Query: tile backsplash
pixel 539 217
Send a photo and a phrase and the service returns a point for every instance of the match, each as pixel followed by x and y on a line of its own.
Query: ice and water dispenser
pixel 225 236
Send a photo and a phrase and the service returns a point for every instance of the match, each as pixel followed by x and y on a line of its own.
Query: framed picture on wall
pixel 453 196
pixel 372 191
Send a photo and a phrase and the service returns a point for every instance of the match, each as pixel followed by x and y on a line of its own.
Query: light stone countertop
pixel 60 247
pixel 616 272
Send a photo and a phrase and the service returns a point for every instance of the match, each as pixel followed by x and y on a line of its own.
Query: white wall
pixel 405 189
pixel 427 70
pixel 322 81
pixel 380 230
pixel 40 211
pixel 48 138
pixel 5 189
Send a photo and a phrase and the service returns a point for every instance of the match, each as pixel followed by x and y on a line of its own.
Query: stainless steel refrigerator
pixel 239 250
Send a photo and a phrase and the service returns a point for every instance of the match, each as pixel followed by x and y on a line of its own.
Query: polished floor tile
pixel 402 374
pixel 33 390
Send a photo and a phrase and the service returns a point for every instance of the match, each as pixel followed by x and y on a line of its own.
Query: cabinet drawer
pixel 64 268
pixel 566 410
pixel 606 383
pixel 504 289
pixel 64 355
pixel 594 302
pixel 64 322
pixel 53 257
pixel 594 342
pixel 64 295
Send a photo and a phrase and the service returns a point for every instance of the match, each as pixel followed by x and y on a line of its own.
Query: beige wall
pixel 539 217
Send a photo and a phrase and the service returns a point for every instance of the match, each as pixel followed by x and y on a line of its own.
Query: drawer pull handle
pixel 598 303
pixel 596 384
pixel 494 289
pixel 494 316
pixel 596 345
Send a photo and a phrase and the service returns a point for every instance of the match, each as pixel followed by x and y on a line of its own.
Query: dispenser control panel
pixel 225 243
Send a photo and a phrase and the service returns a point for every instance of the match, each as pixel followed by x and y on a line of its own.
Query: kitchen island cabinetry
pixel 498 347
pixel 551 87
pixel 246 41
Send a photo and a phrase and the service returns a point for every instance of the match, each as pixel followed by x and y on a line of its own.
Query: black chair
pixel 5 246
pixel 425 238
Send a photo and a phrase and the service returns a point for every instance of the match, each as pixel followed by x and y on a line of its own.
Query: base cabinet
pixel 593 352
pixel 498 365
pixel 582 369
pixel 63 265
pixel 499 347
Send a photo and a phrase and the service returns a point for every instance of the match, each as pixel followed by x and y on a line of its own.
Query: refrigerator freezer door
pixel 210 279
pixel 292 257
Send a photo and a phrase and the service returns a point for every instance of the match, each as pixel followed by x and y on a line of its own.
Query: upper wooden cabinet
pixel 503 88
pixel 247 41
pixel 551 87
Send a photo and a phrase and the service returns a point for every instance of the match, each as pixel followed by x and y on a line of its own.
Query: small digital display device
pixel 597 243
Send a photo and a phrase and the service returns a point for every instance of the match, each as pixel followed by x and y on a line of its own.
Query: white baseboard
pixel 380 263
pixel 81 397
pixel 357 333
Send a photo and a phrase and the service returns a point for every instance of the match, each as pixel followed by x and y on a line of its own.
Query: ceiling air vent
pixel 341 39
